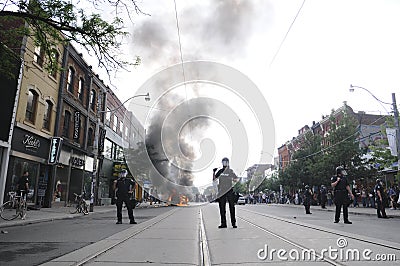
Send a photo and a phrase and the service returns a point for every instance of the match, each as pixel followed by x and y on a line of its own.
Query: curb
pixel 19 222
pixel 396 216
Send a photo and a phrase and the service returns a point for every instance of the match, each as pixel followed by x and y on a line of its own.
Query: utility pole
pixel 96 141
pixel 396 123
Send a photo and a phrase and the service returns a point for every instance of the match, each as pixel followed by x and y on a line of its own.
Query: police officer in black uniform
pixel 307 199
pixel 324 197
pixel 124 187
pixel 380 199
pixel 341 192
pixel 226 178
pixel 23 184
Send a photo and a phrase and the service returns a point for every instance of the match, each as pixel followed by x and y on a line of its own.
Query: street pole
pixel 396 123
pixel 96 143
pixel 396 120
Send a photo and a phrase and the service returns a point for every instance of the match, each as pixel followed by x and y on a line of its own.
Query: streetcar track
pixel 319 257
pixel 205 259
pixel 98 253
pixel 322 230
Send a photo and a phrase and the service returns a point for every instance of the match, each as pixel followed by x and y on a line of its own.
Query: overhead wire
pixel 182 64
pixel 287 33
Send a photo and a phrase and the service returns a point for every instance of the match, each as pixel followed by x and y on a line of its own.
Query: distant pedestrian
pixel 23 184
pixel 323 196
pixel 124 188
pixel 329 197
pixel 307 199
pixel 364 197
pixel 371 197
pixel 380 199
pixel 356 193
pixel 226 178
pixel 341 193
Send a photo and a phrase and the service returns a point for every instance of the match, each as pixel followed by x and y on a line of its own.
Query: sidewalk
pixel 58 213
pixel 352 210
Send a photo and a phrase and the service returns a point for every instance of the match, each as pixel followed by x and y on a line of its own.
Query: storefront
pixel 29 152
pixel 73 175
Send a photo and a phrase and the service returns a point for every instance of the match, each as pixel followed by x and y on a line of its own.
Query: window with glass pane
pixel 121 127
pixel 115 123
pixel 47 115
pixel 67 123
pixel 108 149
pixel 92 99
pixel 81 89
pixel 38 55
pixel 90 137
pixel 55 57
pixel 108 116
pixel 70 79
pixel 31 106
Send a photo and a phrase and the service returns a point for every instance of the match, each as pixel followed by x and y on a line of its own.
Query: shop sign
pixel 31 143
pixel 77 124
pixel 55 148
pixel 77 162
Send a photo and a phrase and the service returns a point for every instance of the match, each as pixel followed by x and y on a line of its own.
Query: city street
pixel 32 244
pixel 274 234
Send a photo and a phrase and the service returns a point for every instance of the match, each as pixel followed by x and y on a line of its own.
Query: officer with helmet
pixel 342 189
pixel 307 199
pixel 226 178
pixel 124 187
pixel 380 199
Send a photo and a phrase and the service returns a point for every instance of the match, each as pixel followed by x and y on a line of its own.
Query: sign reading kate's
pixel 77 124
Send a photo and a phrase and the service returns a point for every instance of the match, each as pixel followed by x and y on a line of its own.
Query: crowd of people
pixel 364 196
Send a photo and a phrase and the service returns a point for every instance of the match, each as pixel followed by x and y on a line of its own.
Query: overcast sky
pixel 331 45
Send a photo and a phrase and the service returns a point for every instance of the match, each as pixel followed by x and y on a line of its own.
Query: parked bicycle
pixel 14 207
pixel 79 205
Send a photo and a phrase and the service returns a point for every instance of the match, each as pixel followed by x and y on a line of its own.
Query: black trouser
pixel 323 202
pixel 128 204
pixel 380 209
pixel 307 207
pixel 341 199
pixel 228 196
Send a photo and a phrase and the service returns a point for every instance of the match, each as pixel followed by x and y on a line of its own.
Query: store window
pixel 47 115
pixel 16 169
pixel 31 106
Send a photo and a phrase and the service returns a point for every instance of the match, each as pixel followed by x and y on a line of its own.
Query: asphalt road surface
pixel 38 243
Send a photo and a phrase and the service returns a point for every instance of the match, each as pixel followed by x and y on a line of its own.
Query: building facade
pixel 369 129
pixel 82 97
pixel 34 123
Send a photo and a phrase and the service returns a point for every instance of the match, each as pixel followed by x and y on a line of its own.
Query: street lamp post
pixel 396 118
pixel 96 144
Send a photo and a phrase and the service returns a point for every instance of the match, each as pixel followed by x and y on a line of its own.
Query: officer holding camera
pixel 226 178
